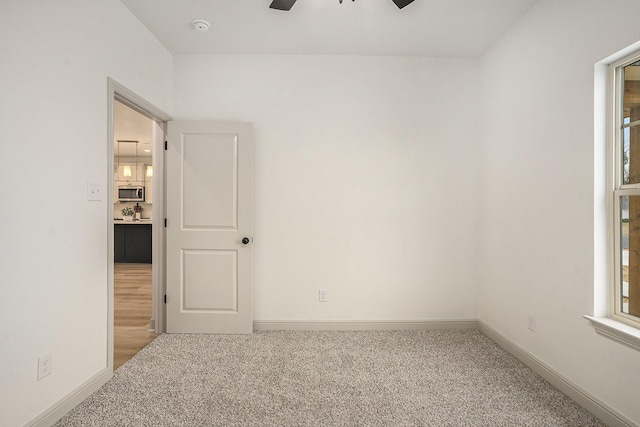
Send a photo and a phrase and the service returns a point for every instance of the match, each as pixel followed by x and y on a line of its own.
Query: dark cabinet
pixel 132 243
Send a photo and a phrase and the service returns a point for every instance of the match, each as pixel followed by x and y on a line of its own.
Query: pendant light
pixel 126 169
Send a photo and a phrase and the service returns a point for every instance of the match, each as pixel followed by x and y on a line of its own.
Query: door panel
pixel 210 181
pixel 199 287
pixel 209 172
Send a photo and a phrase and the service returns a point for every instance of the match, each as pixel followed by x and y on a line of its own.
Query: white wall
pixel 366 184
pixel 365 179
pixel 56 57
pixel 537 244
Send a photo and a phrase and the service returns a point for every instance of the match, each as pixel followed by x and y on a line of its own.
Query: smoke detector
pixel 201 25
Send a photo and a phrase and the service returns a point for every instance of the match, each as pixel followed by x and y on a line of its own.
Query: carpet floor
pixel 292 378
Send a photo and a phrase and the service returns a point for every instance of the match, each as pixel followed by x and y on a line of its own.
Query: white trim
pixel 626 56
pixel 136 102
pixel 362 325
pixel 603 185
pixel 71 400
pixel 111 91
pixel 615 119
pixel 158 211
pixel 595 406
pixel 621 332
pixel 116 91
pixel 615 124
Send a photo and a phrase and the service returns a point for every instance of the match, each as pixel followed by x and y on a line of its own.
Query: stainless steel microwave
pixel 131 193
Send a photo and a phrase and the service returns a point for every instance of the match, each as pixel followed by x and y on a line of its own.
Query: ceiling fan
pixel 288 4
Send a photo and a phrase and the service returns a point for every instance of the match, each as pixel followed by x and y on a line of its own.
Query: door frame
pixel 118 92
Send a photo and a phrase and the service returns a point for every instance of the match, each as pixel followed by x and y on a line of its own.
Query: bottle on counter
pixel 138 210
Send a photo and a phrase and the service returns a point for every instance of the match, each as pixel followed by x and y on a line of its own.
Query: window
pixel 625 79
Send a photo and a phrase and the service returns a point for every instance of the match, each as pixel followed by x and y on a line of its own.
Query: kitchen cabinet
pixel 132 243
pixel 148 190
pixel 137 173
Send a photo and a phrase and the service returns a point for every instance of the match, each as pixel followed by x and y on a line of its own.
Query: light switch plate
pixel 94 191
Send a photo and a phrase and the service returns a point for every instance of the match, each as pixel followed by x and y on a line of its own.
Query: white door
pixel 209 177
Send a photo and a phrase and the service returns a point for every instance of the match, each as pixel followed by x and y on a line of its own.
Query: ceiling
pixel 435 28
pixel 129 125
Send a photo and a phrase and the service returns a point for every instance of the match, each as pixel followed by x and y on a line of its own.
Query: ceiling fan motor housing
pixel 288 4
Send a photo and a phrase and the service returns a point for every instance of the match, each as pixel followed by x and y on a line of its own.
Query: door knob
pixel 245 240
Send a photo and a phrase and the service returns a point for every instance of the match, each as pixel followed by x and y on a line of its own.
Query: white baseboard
pixel 604 412
pixel 71 400
pixel 362 325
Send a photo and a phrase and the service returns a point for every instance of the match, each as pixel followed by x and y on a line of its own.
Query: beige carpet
pixel 382 378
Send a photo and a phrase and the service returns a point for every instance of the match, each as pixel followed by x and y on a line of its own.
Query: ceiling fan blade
pixel 401 3
pixel 283 4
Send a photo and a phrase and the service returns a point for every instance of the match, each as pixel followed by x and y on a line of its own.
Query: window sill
pixel 625 334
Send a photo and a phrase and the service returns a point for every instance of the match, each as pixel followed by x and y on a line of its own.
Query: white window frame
pixel 607 319
pixel 619 189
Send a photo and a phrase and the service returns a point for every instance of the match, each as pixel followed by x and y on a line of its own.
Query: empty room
pixel 365 212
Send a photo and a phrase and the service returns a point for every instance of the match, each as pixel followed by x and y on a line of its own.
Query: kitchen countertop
pixel 134 222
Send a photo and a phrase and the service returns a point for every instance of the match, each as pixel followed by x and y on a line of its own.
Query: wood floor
pixel 132 311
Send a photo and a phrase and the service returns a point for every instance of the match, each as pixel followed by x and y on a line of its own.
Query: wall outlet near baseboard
pixel 323 295
pixel 44 366
pixel 531 322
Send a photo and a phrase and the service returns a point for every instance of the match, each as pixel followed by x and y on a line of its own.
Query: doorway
pixel 135 266
pixel 133 239
pixel 232 300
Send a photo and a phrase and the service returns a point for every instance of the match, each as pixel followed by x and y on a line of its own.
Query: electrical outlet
pixel 44 366
pixel 531 322
pixel 323 295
